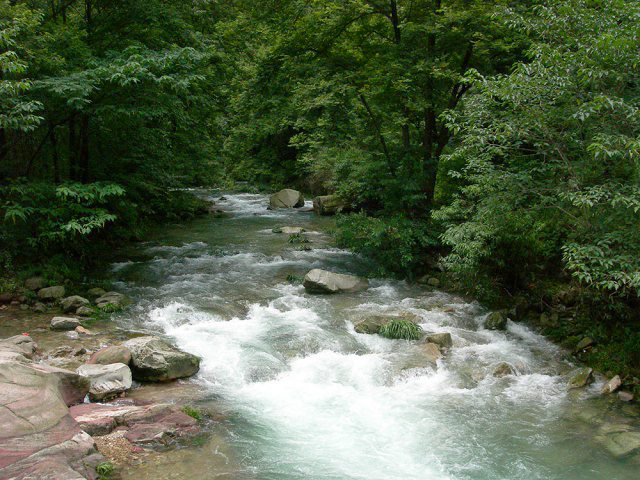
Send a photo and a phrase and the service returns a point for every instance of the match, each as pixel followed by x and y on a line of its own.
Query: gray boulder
pixel 443 340
pixel 323 281
pixel 329 205
pixel 64 323
pixel 34 283
pixel 612 385
pixel 581 378
pixel 96 292
pixel 109 355
pixel 496 321
pixel 84 311
pixel 114 299
pixel 286 198
pixel 107 381
pixel 51 293
pixel 71 304
pixel 153 360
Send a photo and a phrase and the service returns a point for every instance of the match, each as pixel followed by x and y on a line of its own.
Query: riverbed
pixel 301 395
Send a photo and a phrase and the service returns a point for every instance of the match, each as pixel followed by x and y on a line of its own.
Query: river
pixel 306 397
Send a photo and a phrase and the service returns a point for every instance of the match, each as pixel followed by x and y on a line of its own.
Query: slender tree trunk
pixel 397 38
pixel 56 159
pixel 73 149
pixel 3 144
pixel 84 148
pixel 430 161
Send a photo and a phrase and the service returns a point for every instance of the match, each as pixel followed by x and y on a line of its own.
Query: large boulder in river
pixel 73 303
pixel 323 281
pixel 443 340
pixel 107 381
pixel 154 360
pixel 329 205
pixel 286 198
pixel 38 437
pixel 51 293
pixel 496 321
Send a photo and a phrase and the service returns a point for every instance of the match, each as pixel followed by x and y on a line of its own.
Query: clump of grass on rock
pixel 401 330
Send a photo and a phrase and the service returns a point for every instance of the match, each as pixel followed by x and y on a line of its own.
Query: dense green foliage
pixel 497 141
pixel 401 330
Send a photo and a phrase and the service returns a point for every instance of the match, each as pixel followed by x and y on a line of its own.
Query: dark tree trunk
pixel 56 158
pixel 84 148
pixel 73 149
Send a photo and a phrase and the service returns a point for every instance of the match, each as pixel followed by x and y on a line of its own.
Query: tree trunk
pixel 73 149
pixel 56 159
pixel 84 148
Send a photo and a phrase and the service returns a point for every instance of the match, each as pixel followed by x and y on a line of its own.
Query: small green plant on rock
pixel 105 470
pixel 193 412
pixel 291 278
pixel 401 329
pixel 298 238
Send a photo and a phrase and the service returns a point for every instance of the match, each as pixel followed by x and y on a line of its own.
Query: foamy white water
pixel 312 399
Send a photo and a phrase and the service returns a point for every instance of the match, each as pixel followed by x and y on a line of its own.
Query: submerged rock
pixel 496 321
pixel 153 360
pixel 51 293
pixel 431 351
pixel 64 323
pixel 622 444
pixel 329 205
pixel 323 281
pixel 113 354
pixel 286 198
pixel 581 378
pixel 289 230
pixel 503 369
pixel 107 381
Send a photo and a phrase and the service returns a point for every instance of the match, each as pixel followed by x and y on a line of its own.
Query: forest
pixel 495 143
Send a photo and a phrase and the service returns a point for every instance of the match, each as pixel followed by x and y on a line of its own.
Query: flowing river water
pixel 304 396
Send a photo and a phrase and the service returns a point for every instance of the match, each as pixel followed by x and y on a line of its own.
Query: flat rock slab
pixel 35 427
pixel 323 281
pixel 142 424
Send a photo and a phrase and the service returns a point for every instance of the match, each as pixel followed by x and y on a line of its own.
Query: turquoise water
pixel 308 398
